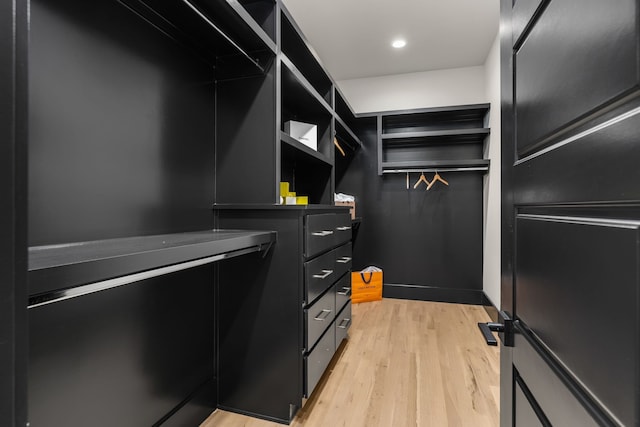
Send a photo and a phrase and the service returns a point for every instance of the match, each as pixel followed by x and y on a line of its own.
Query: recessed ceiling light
pixel 399 43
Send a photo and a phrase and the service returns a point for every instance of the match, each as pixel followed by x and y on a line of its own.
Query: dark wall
pixel 430 239
pixel 122 127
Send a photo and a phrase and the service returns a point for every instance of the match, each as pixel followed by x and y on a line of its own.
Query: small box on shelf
pixel 306 133
pixel 352 206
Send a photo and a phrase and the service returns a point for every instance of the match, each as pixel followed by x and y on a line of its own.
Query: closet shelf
pixel 214 29
pixel 55 267
pixel 344 133
pixel 296 48
pixel 464 136
pixel 436 165
pixel 301 148
pixel 301 91
pixel 242 9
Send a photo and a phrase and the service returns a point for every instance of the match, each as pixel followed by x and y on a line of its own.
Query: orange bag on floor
pixel 366 285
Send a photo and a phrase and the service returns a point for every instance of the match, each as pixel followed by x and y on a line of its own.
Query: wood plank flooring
pixel 407 363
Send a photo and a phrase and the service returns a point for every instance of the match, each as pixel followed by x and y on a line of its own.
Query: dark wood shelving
pixel 261 17
pixel 344 133
pixel 310 153
pixel 433 164
pixel 213 29
pixel 55 267
pixel 301 90
pixel 479 133
pixel 295 46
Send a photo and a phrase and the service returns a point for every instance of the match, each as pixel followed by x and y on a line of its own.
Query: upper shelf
pixel 345 134
pixel 449 136
pixel 55 267
pixel 304 150
pixel 435 165
pixel 214 29
pixel 299 95
pixel 295 46
pixel 260 12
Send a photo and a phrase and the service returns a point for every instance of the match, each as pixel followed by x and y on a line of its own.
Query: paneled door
pixel 571 213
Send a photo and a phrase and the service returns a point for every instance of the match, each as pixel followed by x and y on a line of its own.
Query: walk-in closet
pixel 224 213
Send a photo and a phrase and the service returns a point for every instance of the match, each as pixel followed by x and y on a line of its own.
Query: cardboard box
pixel 306 133
pixel 352 205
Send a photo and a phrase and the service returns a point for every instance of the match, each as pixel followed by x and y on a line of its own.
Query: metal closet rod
pixel 222 33
pixel 461 169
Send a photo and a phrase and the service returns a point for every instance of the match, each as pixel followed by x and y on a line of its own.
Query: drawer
pixel 343 291
pixel 343 259
pixel 319 316
pixel 343 323
pixel 319 233
pixel 319 274
pixel 317 361
pixel 342 228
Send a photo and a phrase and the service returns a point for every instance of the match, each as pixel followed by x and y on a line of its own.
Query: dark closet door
pixel 571 212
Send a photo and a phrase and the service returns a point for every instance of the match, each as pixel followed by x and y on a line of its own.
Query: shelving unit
pixel 309 95
pixel 433 139
pixel 142 115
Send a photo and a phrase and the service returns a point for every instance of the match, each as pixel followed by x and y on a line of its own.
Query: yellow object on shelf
pixel 302 200
pixel 284 189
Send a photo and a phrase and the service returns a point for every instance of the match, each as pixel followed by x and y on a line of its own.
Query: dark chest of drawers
pixel 281 318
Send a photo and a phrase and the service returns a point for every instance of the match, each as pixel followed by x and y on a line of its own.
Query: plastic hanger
pixel 422 179
pixel 436 177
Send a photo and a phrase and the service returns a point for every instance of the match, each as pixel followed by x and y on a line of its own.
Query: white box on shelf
pixel 306 133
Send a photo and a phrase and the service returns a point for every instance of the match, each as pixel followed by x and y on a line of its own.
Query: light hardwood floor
pixel 407 363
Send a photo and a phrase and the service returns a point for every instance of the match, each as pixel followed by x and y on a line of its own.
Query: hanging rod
pixel 430 169
pixel 103 285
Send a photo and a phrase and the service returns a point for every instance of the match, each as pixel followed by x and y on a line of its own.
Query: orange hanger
pixel 337 144
pixel 422 179
pixel 437 177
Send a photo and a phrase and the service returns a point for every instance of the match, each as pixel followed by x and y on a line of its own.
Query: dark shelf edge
pixel 253 25
pixel 303 38
pixel 433 134
pixel 437 164
pixel 57 267
pixel 484 106
pixel 305 83
pixel 347 129
pixel 294 143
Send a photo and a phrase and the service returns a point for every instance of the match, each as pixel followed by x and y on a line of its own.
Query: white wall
pixel 455 86
pixel 491 266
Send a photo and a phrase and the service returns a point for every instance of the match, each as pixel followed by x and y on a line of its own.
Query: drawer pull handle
pixel 320 316
pixel 323 233
pixel 326 274
pixel 344 228
pixel 345 292
pixel 344 323
pixel 344 260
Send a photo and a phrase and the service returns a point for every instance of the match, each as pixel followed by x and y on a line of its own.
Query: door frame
pixel 13 211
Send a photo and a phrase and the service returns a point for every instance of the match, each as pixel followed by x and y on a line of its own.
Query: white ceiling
pixel 353 37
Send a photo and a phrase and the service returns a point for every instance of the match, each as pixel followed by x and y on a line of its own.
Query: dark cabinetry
pixel 298 306
pixel 141 116
pixel 436 138
pixel 309 95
